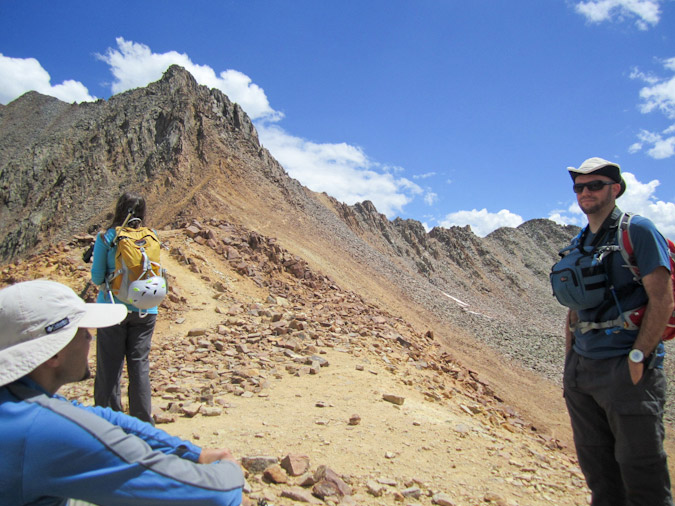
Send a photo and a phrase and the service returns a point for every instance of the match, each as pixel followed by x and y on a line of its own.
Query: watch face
pixel 636 356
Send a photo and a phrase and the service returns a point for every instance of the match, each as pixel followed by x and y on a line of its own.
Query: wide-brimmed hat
pixel 601 167
pixel 39 318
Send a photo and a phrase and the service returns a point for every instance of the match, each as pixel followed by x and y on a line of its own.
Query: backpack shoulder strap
pixel 108 242
pixel 625 243
pixel 574 243
pixel 601 236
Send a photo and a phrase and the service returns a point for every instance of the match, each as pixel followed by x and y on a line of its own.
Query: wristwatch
pixel 636 356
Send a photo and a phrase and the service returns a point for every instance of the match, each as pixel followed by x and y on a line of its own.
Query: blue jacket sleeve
pixel 103 458
pixel 156 438
pixel 99 265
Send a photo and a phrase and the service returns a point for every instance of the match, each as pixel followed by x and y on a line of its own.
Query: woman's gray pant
pixel 130 339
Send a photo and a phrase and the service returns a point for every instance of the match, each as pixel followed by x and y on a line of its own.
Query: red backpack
pixel 627 252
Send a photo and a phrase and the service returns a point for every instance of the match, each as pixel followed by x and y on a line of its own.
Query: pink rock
pixel 295 465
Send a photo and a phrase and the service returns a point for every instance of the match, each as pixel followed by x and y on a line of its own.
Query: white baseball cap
pixel 39 318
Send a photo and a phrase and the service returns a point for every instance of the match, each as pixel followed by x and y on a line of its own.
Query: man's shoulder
pixel 639 221
pixel 29 407
pixel 649 246
pixel 27 393
pixel 642 228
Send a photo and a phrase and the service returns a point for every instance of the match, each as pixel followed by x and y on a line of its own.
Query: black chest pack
pixel 579 279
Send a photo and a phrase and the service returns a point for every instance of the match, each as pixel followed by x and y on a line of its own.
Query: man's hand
pixel 636 371
pixel 210 455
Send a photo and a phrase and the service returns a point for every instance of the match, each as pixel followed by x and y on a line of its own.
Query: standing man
pixel 53 450
pixel 614 382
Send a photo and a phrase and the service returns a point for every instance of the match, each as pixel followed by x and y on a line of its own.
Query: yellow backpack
pixel 136 258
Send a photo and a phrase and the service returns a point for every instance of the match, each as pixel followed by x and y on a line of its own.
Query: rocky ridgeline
pixel 197 371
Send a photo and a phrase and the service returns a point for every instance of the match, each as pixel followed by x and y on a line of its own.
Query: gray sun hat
pixel 601 167
pixel 39 318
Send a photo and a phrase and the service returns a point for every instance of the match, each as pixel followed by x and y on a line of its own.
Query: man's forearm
pixel 653 324
pixel 658 310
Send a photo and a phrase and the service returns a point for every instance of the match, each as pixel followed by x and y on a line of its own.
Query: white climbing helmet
pixel 148 292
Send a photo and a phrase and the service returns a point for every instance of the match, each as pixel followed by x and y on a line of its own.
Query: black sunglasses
pixel 593 186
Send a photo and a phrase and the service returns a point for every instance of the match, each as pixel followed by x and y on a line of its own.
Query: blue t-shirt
pixel 104 264
pixel 651 251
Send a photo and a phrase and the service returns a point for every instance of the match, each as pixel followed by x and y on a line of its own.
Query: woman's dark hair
pixel 129 203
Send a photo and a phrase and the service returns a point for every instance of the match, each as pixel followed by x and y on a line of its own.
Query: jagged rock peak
pixel 442 233
pixel 367 208
pixel 181 77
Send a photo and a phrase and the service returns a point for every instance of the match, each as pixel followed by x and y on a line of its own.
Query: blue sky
pixel 446 112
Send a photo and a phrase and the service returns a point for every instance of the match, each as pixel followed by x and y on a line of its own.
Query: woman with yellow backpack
pixel 126 268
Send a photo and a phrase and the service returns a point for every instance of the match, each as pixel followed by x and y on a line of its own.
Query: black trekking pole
pixel 86 256
pixel 85 289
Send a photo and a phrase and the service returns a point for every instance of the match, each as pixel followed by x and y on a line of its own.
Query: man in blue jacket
pixel 53 450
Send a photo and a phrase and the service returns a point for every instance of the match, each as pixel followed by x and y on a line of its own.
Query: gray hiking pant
pixel 130 339
pixel 618 431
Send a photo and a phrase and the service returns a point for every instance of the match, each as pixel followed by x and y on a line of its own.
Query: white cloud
pixel 482 222
pixel 570 216
pixel 658 95
pixel 341 170
pixel 564 219
pixel 20 75
pixel 430 197
pixel 635 147
pixel 662 147
pixel 424 176
pixel 643 76
pixel 134 65
pixel 639 198
pixel 647 12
